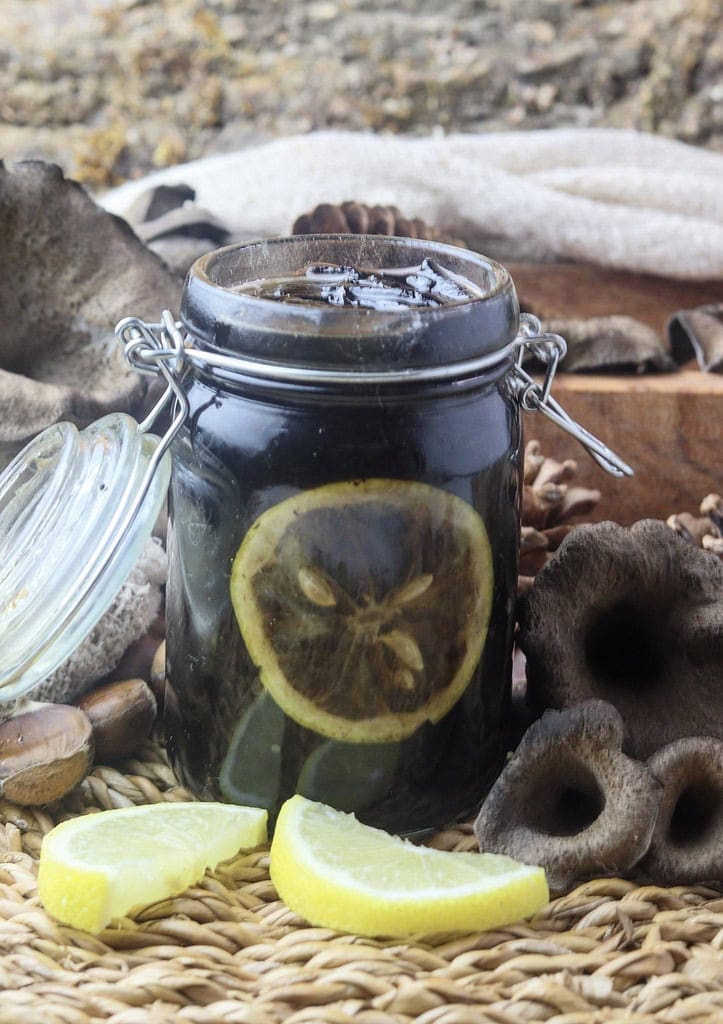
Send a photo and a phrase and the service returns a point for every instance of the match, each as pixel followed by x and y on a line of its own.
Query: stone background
pixel 113 88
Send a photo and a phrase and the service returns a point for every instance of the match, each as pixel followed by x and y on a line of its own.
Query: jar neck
pixel 310 339
pixel 354 388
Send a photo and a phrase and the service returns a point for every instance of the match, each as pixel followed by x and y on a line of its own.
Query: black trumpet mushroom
pixel 570 800
pixel 635 617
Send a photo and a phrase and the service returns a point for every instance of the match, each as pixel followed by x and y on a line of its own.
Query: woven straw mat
pixel 229 950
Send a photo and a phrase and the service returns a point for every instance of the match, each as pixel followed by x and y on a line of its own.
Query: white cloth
pixel 616 198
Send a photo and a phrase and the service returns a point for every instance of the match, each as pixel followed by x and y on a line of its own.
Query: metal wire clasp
pixel 153 349
pixel 160 348
pixel 549 349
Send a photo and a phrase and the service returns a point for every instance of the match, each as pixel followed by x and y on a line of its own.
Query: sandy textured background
pixel 113 88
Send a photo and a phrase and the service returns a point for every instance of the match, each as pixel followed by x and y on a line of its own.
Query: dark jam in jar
pixel 426 286
pixel 342 553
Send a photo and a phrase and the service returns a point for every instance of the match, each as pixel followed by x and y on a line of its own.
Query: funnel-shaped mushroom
pixel 633 616
pixel 687 844
pixel 570 800
pixel 68 272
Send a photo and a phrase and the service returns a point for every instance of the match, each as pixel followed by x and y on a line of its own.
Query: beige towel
pixel 616 198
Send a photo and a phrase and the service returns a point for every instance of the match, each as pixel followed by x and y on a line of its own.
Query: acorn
pixel 121 715
pixel 44 753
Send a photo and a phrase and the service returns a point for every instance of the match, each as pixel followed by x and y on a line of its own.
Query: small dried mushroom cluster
pixel 704 530
pixel 623 632
pixel 551 500
pixel 48 749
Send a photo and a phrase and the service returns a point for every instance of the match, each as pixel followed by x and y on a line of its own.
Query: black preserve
pixel 344 528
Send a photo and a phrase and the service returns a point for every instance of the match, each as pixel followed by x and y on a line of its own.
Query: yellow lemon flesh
pixel 365 605
pixel 101 866
pixel 337 873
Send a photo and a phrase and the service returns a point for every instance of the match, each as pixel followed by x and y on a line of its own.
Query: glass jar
pixel 350 694
pixel 343 534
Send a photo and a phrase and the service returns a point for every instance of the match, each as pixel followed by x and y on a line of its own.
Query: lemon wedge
pixel 100 866
pixel 337 873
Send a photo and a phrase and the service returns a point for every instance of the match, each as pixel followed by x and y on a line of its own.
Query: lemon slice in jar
pixel 338 873
pixel 365 605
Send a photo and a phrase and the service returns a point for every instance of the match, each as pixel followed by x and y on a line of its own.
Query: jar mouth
pixel 223 319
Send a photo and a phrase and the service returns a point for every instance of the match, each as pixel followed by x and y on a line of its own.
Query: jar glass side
pixel 234 733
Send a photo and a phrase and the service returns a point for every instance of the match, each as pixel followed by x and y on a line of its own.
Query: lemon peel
pixel 338 873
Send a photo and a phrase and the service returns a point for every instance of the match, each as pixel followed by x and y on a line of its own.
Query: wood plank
pixel 557 290
pixel 668 427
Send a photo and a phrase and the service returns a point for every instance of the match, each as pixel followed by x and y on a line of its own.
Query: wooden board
pixel 568 290
pixel 668 427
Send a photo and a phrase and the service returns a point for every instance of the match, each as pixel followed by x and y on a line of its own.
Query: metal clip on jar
pixel 343 539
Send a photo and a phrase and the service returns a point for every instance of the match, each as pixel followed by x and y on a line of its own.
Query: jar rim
pixel 351 340
pixel 205 265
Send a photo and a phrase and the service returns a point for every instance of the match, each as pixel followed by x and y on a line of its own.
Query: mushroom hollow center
pixel 622 647
pixel 565 801
pixel 698 815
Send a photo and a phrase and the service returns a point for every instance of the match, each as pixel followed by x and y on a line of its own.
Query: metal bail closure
pixel 534 397
pixel 76 508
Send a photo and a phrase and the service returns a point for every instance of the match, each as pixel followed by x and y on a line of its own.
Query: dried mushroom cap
pixel 44 753
pixel 698 332
pixel 634 616
pixel 569 800
pixel 68 272
pixel 687 843
pixel 617 343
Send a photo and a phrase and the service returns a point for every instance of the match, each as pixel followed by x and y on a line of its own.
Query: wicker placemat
pixel 228 950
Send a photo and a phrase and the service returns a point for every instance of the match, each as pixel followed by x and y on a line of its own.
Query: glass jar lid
pixel 76 508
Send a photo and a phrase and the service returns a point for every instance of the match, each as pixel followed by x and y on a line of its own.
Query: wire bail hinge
pixel 159 348
pixel 153 349
pixel 549 349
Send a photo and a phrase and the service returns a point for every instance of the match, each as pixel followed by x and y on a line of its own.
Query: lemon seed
pixel 315 588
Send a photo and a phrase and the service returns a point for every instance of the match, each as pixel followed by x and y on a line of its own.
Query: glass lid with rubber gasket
pixel 76 508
